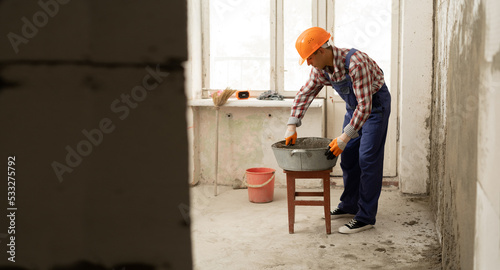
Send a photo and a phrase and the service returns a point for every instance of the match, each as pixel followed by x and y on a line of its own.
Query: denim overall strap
pixel 348 62
pixel 344 87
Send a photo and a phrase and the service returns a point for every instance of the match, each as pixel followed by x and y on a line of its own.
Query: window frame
pixel 323 14
pixel 321 10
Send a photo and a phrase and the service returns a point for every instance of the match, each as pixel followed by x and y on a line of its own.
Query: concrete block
pixel 98 31
pixel 145 31
pixel 487 232
pixel 122 152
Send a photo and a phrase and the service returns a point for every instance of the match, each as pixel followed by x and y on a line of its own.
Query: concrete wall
pixel 415 95
pixel 92 106
pixel 464 170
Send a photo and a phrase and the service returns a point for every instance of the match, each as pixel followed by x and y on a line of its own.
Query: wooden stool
pixel 291 195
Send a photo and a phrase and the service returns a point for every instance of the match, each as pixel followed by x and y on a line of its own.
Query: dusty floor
pixel 229 232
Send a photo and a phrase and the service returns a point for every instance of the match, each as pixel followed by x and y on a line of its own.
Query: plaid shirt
pixel 367 79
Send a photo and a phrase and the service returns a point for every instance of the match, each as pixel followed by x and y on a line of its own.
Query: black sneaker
pixel 337 213
pixel 354 226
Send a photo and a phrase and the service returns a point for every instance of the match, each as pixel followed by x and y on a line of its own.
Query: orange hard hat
pixel 309 41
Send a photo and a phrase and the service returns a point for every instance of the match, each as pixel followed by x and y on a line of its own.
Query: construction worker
pixel 360 83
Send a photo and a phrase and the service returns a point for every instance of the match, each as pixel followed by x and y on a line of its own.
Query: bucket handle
pixel 261 185
pixel 297 151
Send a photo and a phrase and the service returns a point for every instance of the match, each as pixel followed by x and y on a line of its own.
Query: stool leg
pixel 326 198
pixel 290 187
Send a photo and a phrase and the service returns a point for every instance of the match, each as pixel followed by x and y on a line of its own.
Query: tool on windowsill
pixel 242 95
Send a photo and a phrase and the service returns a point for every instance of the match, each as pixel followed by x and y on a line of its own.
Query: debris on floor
pixel 228 230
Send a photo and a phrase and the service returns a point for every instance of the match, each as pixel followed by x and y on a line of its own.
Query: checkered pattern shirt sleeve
pixel 305 96
pixel 367 79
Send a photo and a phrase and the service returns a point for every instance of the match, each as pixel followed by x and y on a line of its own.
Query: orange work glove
pixel 335 148
pixel 291 135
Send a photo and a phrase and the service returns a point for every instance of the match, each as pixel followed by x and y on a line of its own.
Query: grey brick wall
pixel 92 105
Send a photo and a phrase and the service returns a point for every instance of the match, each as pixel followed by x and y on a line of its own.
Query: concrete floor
pixel 229 232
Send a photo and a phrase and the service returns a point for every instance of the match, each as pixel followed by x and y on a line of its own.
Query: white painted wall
pixel 415 95
pixel 246 134
pixel 487 235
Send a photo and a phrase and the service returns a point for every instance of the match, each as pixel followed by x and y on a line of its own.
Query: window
pixel 240 51
pixel 250 45
pixel 296 19
pixel 366 25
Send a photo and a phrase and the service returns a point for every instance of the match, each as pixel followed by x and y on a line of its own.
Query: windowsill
pixel 253 102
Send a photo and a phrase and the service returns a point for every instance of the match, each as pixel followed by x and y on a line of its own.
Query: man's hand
pixel 291 135
pixel 337 146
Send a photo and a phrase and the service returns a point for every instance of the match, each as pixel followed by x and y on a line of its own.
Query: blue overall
pixel 363 158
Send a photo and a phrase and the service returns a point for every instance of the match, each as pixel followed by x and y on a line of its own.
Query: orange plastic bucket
pixel 260 183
